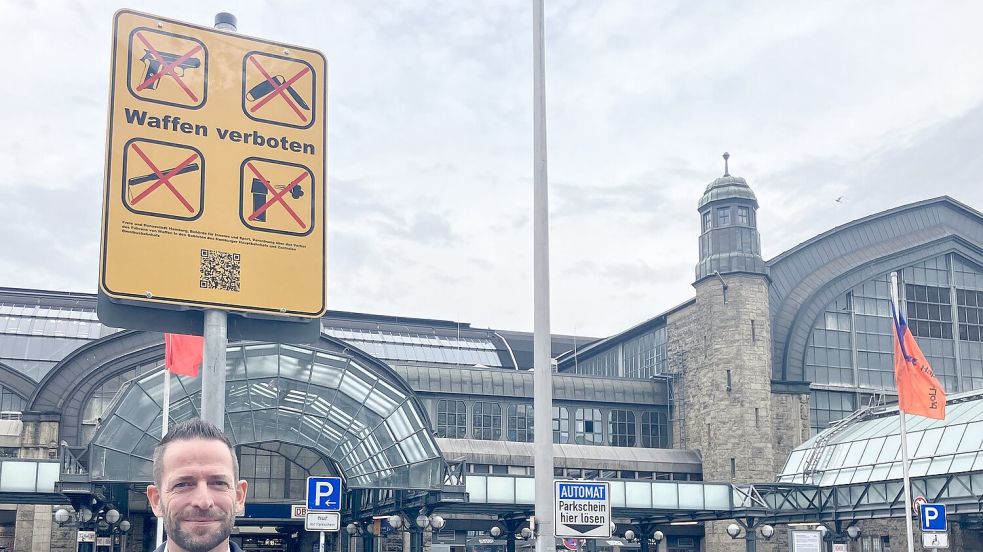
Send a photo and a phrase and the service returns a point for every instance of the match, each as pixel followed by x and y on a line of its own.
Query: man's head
pixel 196 487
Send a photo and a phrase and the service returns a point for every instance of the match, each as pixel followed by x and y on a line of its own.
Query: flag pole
pixel 163 431
pixel 904 430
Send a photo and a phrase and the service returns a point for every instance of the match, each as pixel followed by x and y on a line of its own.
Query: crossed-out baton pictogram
pixel 163 179
pixel 167 68
pixel 277 195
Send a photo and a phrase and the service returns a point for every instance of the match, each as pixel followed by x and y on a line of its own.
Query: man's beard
pixel 193 541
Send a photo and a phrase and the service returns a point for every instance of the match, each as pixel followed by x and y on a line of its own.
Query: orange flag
pixel 183 353
pixel 919 392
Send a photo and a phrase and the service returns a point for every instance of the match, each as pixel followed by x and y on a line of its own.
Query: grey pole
pixel 216 326
pixel 542 366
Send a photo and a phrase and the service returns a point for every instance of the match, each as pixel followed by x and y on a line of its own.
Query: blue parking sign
pixel 324 493
pixel 933 517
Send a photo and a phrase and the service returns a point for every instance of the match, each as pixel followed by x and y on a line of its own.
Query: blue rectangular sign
pixel 324 493
pixel 933 517
pixel 582 491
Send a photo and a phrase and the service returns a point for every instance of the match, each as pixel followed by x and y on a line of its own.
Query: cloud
pixel 430 139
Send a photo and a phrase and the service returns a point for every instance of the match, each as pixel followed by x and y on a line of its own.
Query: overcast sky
pixel 430 138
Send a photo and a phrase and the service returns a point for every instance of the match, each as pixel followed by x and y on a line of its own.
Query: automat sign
pixel 583 508
pixel 215 170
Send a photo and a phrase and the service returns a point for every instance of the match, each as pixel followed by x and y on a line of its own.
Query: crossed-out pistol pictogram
pixel 171 56
pixel 262 84
pixel 268 182
pixel 140 188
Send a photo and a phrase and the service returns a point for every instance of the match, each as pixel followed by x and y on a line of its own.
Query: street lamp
pixel 433 521
pixel 629 535
pixel 733 530
pixel 495 531
pixel 395 521
pixel 767 531
pixel 853 532
pixel 112 516
pixel 658 536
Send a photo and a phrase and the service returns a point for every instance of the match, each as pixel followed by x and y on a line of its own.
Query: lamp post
pixel 105 520
pixel 750 534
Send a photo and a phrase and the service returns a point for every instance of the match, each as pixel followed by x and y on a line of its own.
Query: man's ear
pixel 241 487
pixel 153 495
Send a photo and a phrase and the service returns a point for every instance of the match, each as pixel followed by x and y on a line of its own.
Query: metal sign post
pixel 214 194
pixel 323 506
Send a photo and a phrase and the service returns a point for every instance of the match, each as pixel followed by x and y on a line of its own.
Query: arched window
pixel 590 430
pixel 452 419
pixel 486 421
pixel 520 423
pixel 561 424
pixel 621 428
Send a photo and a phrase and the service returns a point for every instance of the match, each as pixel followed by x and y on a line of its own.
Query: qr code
pixel 219 270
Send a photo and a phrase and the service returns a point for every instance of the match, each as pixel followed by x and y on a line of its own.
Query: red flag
pixel 919 392
pixel 183 353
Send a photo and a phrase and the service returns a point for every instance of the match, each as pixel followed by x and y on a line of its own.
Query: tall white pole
pixel 542 366
pixel 165 423
pixel 904 431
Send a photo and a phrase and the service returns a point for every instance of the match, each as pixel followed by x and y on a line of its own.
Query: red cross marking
pixel 168 68
pixel 277 196
pixel 163 179
pixel 279 90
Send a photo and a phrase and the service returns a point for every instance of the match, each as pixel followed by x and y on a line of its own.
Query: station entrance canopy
pixel 340 404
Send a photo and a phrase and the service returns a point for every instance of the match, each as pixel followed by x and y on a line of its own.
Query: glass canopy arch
pixel 869 450
pixel 345 407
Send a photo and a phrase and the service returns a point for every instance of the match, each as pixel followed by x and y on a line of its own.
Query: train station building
pixel 763 399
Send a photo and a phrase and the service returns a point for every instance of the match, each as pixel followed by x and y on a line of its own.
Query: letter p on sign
pixel 324 493
pixel 933 517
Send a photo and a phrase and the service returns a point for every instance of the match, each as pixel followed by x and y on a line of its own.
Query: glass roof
pixel 372 430
pixel 418 346
pixel 33 338
pixel 870 449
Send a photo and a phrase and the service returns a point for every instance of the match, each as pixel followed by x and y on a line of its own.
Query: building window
pixel 706 221
pixel 603 364
pixel 520 423
pixel 645 355
pixel 929 311
pixel 655 429
pixel 723 216
pixel 744 216
pixel 621 428
pixel 589 430
pixel 8 452
pixel 970 314
pixel 10 401
pixel 452 419
pixel 275 477
pixel 828 406
pixel 486 421
pixel 561 425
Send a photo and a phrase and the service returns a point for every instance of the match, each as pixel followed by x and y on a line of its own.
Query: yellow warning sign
pixel 215 170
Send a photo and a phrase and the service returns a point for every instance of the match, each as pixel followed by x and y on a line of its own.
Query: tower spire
pixel 726 168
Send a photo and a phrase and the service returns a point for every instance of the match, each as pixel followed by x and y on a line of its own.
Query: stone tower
pixel 726 377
